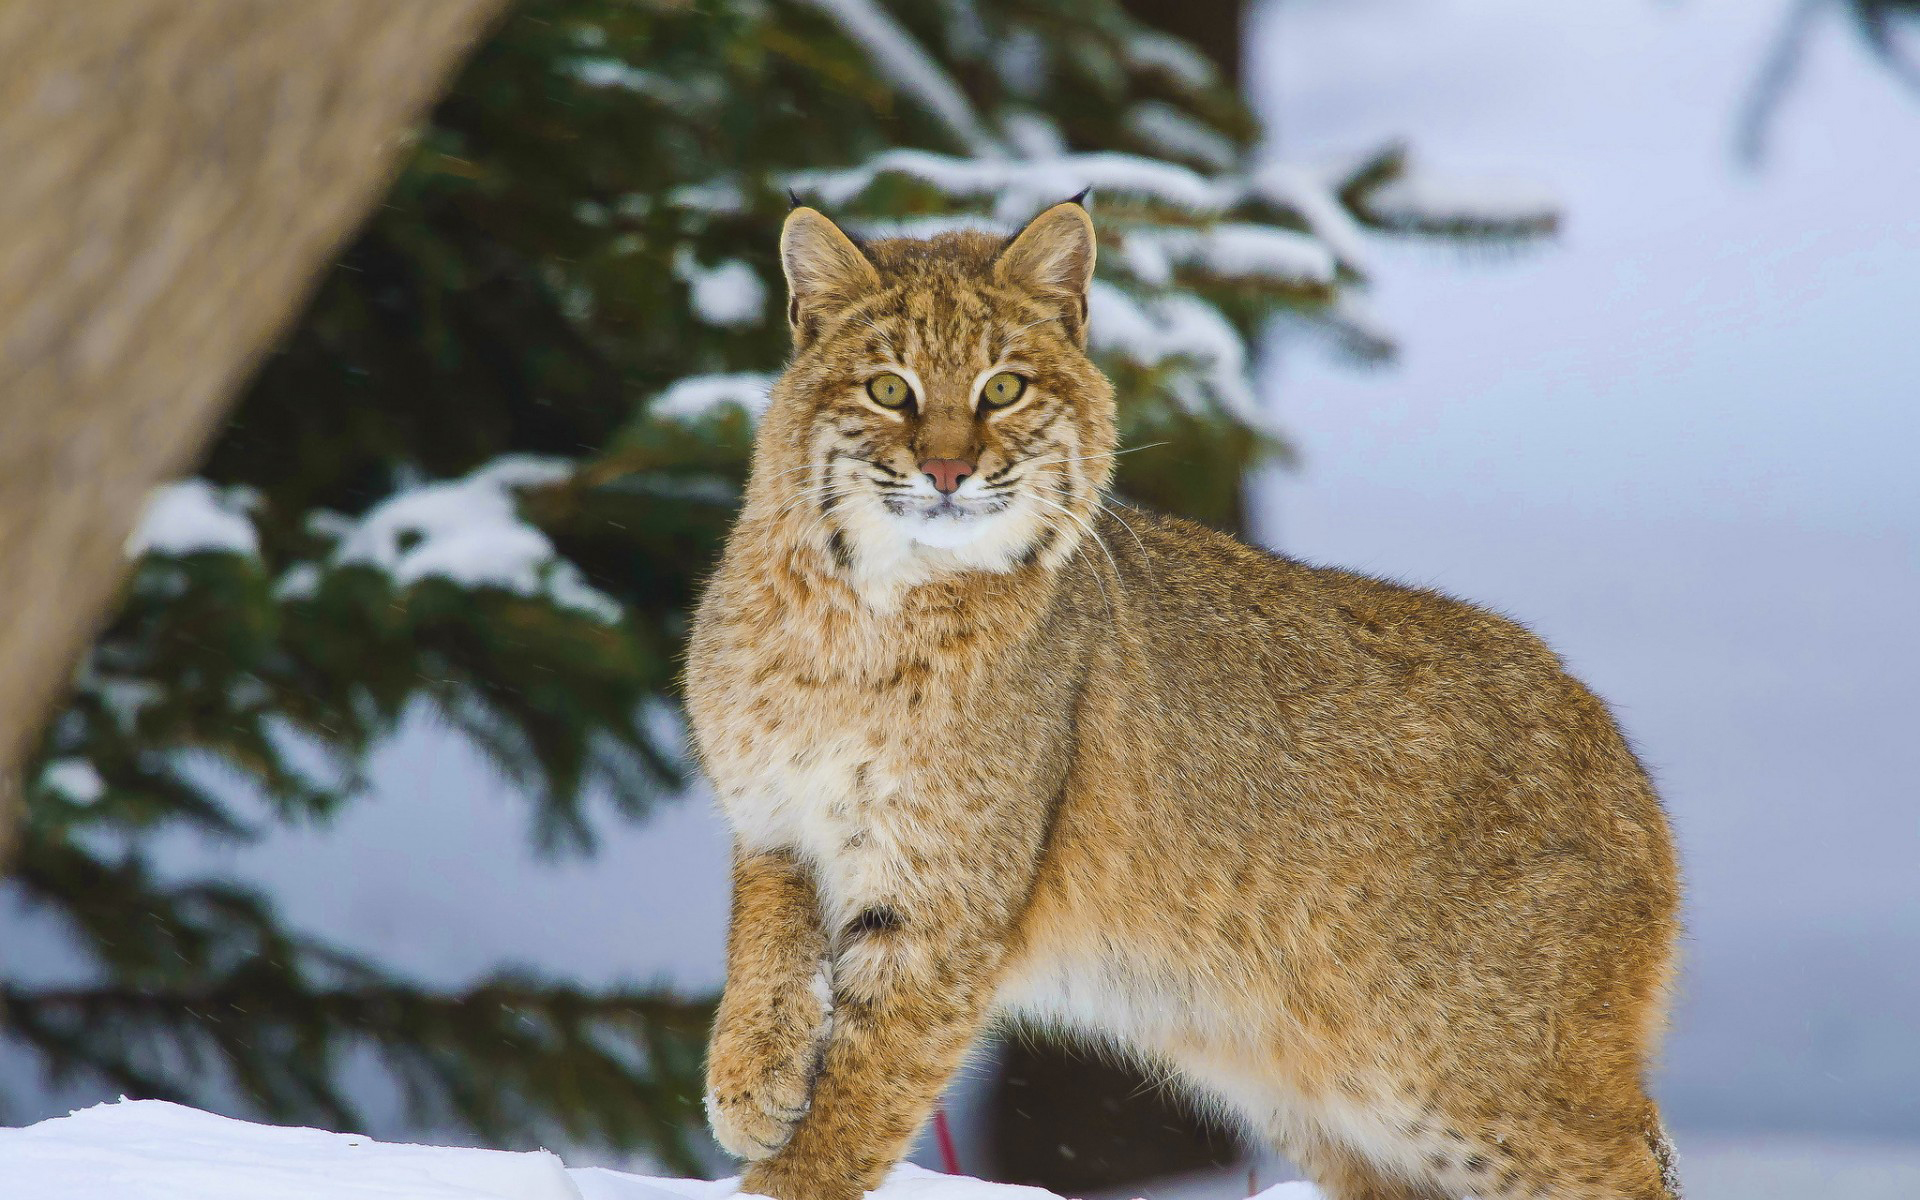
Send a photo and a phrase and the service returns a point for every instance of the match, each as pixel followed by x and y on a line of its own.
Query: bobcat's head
pixel 939 413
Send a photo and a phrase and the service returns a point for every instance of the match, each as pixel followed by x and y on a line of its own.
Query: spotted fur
pixel 1358 863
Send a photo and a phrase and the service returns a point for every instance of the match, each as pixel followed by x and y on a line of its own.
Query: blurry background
pixel 370 809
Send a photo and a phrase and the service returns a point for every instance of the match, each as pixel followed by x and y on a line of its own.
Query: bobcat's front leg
pixel 912 984
pixel 777 1011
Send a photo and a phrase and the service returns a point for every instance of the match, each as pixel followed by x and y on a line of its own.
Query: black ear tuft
pixel 794 201
pixel 1080 197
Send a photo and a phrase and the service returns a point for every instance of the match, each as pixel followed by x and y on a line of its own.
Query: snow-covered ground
pixel 150 1150
pixel 1746 1168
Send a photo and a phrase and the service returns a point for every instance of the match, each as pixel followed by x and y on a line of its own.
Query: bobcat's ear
pixel 1053 258
pixel 824 268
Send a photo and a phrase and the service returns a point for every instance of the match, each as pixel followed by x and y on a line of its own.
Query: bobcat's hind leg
pixel 1577 1168
pixel 1522 1161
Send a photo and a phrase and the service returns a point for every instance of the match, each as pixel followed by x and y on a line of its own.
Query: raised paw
pixel 760 1068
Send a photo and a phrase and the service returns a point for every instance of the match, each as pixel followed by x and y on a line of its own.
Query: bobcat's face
pixel 954 422
pixel 940 411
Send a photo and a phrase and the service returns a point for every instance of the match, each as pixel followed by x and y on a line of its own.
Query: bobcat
pixel 1358 863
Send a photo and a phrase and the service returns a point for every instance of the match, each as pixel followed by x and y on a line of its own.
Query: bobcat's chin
pixel 903 542
pixel 950 526
pixel 945 531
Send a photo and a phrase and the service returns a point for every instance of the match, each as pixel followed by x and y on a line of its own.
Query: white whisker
pixel 1043 462
pixel 1093 533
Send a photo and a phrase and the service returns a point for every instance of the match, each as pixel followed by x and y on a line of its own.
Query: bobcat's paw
pixel 761 1068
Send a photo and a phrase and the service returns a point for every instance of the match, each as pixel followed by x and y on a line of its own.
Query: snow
pixel 124 698
pixel 1152 330
pixel 713 196
pixel 1159 51
pixel 1020 186
pixel 470 532
pixel 698 395
pixel 152 1150
pixel 1147 258
pixel 727 293
pixel 1236 250
pixel 613 73
pixel 1180 135
pixel 75 778
pixel 1033 133
pixel 1419 200
pixel 1312 198
pixel 192 516
pixel 301 581
pixel 910 68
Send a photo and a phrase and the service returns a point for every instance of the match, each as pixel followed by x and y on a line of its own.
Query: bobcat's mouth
pixel 946 508
pixel 945 521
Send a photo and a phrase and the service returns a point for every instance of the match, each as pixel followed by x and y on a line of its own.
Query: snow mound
pixel 152 1150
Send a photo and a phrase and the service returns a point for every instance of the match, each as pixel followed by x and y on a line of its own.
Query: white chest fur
pixel 831 794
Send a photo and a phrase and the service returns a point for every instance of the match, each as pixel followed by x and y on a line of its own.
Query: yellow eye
pixel 889 391
pixel 1003 389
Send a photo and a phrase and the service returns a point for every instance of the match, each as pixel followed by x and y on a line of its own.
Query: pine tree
pixel 486 472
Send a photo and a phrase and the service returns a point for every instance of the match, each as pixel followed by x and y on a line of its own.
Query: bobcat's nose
pixel 947 473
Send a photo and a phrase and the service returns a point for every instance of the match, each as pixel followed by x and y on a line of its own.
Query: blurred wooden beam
pixel 176 173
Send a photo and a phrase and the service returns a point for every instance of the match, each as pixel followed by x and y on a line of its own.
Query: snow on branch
pixel 1234 250
pixel 1163 52
pixel 1179 328
pixel 911 68
pixel 1313 199
pixel 698 395
pixel 75 779
pixel 1425 204
pixel 193 516
pixel 1021 186
pixel 1180 135
pixel 725 294
pixel 469 531
pixel 1387 189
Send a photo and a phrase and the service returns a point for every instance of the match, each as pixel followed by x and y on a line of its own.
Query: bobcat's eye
pixel 1003 389
pixel 889 391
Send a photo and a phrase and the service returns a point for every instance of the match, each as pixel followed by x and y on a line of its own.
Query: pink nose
pixel 947 473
